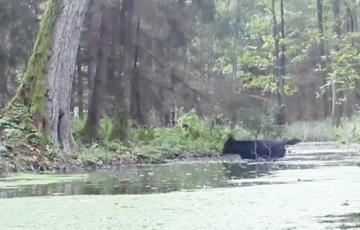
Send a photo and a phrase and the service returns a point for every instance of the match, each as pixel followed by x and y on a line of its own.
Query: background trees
pixel 150 60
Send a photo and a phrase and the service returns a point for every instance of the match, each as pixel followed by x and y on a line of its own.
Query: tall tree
pixel 4 94
pixel 80 85
pixel 282 112
pixel 135 100
pixel 118 89
pixel 337 93
pixel 47 82
pixel 92 39
pixel 96 105
pixel 322 58
pixel 277 76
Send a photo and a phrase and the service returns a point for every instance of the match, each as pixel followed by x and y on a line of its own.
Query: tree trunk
pixel 277 76
pixel 80 86
pixel 300 108
pixel 96 106
pixel 4 99
pixel 47 82
pixel 282 112
pixel 127 17
pixel 73 94
pixel 61 66
pixel 135 109
pixel 322 59
pixel 93 40
pixel 118 90
pixel 337 93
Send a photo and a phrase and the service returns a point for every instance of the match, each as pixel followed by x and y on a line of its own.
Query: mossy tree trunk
pixel 47 83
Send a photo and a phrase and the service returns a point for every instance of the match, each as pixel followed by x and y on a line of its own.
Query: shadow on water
pixel 183 176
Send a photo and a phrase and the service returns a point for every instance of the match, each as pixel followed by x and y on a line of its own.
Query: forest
pixel 90 83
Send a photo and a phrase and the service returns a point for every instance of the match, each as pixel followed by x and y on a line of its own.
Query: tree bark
pixel 135 109
pixel 322 59
pixel 80 86
pixel 337 105
pixel 96 106
pixel 277 75
pixel 94 30
pixel 276 39
pixel 4 94
pixel 118 90
pixel 60 68
pixel 127 26
pixel 47 82
pixel 73 94
pixel 300 108
pixel 281 98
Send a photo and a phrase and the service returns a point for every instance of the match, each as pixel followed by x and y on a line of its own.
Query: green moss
pixel 32 89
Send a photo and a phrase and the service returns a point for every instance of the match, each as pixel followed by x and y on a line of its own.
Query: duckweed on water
pixel 207 209
pixel 18 180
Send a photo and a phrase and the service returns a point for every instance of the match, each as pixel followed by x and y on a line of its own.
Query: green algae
pixel 235 208
pixel 19 180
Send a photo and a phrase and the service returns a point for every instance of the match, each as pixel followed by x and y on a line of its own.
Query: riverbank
pixel 23 150
pixel 21 156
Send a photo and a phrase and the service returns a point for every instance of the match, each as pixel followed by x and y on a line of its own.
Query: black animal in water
pixel 255 149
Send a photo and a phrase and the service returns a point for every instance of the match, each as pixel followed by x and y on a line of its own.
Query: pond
pixel 301 191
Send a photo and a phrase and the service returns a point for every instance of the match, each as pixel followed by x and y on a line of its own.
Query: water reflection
pixel 186 175
pixel 348 221
pixel 131 179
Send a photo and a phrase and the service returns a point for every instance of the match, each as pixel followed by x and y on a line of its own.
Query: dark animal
pixel 269 149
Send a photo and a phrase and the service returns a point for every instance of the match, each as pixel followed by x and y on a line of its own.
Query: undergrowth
pixel 24 149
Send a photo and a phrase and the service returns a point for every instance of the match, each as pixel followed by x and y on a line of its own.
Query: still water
pixel 301 191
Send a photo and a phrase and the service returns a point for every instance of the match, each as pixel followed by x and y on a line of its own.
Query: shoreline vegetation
pixel 23 149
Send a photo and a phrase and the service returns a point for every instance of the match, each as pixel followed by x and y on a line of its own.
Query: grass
pixel 192 137
pixel 312 131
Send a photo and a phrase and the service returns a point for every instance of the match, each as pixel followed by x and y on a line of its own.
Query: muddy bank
pixel 26 158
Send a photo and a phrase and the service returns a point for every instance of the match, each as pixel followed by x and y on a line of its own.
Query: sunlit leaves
pixel 243 35
pixel 345 61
